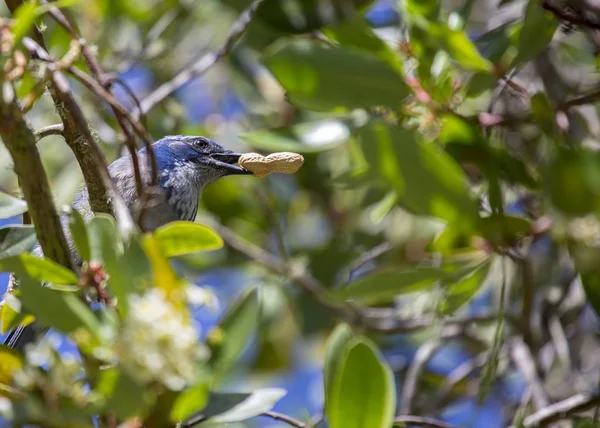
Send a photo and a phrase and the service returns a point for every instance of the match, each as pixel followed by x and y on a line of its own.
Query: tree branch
pixel 20 141
pixel 76 132
pixel 421 421
pixel 202 65
pixel 562 410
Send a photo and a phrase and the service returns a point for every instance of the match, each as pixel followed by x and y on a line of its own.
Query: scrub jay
pixel 186 164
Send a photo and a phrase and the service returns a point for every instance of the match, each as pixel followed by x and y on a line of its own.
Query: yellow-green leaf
pixel 181 237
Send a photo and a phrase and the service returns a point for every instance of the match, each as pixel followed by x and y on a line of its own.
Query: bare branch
pixel 422 421
pixel 57 129
pixel 521 355
pixel 76 133
pixel 20 141
pixel 202 65
pixel 285 418
pixel 562 410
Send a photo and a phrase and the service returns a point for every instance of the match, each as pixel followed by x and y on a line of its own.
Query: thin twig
pixel 365 258
pixel 562 410
pixel 202 65
pixel 56 129
pixel 380 320
pixel 410 386
pixel 123 117
pixel 521 355
pixel 285 418
pixel 421 421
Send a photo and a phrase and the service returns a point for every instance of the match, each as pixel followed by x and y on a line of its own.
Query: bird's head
pixel 196 158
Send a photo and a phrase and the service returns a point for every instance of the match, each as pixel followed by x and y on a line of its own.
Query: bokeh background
pixel 316 217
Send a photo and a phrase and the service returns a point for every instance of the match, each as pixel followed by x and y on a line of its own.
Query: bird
pixel 185 166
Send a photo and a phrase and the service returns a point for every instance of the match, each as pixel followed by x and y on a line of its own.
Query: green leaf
pixel 230 408
pixel 364 394
pixel 190 401
pixel 24 19
pixel 336 344
pixel 63 311
pixel 504 229
pixel 79 234
pixel 536 34
pixel 587 423
pixel 573 181
pixel 124 396
pixel 459 47
pixel 427 180
pixel 311 137
pixel 12 314
pixel 103 239
pixel 384 285
pixel 357 33
pixel 181 237
pixel 229 338
pixel 44 270
pixel 316 77
pixel 11 361
pixel 15 240
pixel 464 289
pixel 302 16
pixel 10 206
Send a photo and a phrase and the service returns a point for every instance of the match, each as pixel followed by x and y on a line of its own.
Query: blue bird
pixel 185 165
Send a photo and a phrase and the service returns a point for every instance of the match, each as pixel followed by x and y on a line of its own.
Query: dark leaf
pixel 427 180
pixel 316 77
pixel 537 32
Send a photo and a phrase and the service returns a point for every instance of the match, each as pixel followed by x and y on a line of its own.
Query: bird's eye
pixel 201 144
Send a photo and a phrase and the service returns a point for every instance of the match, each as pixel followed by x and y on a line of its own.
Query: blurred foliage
pixel 448 159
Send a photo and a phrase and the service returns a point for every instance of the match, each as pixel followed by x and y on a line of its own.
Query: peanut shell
pixel 261 166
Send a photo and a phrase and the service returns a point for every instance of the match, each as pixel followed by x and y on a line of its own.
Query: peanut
pixel 261 166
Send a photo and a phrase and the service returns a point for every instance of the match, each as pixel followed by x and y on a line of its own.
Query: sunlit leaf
pixel 537 32
pixel 15 240
pixel 426 179
pixel 232 409
pixel 12 314
pixel 317 77
pixel 229 338
pixel 190 401
pixel 460 48
pixel 180 237
pixel 363 394
pixel 336 344
pixel 24 19
pixel 10 362
pixel 44 270
pixel 11 206
pixel 164 276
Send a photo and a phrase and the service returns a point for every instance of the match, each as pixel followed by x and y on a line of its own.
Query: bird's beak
pixel 227 161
